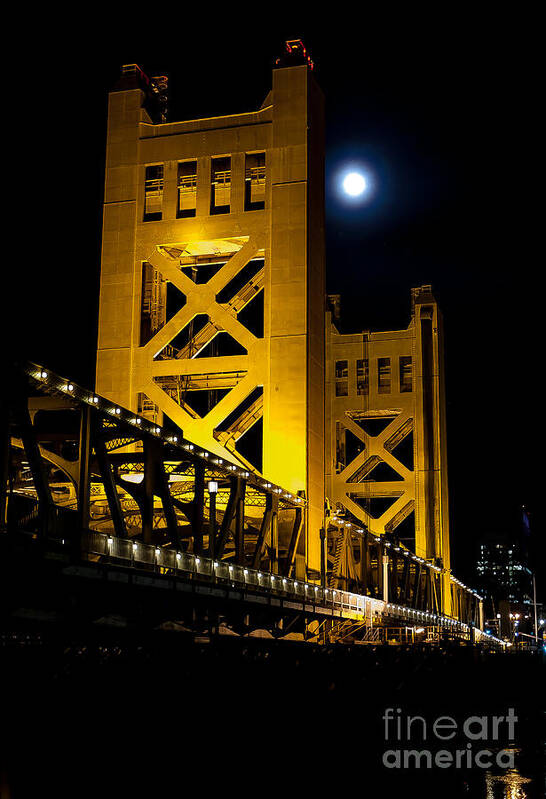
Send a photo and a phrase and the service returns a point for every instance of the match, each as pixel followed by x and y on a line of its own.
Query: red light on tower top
pixel 295 55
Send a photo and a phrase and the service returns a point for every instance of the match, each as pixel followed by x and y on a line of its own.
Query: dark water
pixel 111 713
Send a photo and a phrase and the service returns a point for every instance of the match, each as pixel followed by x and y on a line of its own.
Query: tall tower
pixel 386 457
pixel 212 278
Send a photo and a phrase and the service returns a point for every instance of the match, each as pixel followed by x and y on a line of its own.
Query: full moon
pixel 354 184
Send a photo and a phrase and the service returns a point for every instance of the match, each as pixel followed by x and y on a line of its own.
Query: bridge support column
pixel 480 612
pixel 447 605
pixel 394 576
pixel 212 521
pixel 323 557
pixel 109 484
pixel 406 582
pixel 199 508
pixel 83 476
pixel 274 563
pixel 240 525
pixel 385 564
pixel 84 454
pixel 46 508
pixel 364 563
pixel 265 535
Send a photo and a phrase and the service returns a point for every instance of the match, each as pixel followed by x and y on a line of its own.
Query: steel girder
pixel 113 445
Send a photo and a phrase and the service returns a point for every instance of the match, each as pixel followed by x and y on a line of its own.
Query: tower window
pixel 153 193
pixel 220 194
pixel 254 181
pixel 362 375
pixel 384 375
pixel 187 189
pixel 342 378
pixel 406 377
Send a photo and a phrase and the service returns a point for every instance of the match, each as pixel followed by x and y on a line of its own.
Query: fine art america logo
pixel 474 735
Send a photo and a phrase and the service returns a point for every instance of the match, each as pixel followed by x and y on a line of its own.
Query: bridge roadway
pixel 229 582
pixel 108 578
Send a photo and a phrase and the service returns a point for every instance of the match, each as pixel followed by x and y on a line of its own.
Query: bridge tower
pixel 212 277
pixel 386 452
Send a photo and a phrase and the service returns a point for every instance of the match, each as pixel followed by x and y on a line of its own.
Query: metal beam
pixel 294 540
pixel 364 562
pixel 229 515
pixel 198 507
pixel 46 507
pixel 105 468
pixel 271 507
pixel 84 457
pixel 240 525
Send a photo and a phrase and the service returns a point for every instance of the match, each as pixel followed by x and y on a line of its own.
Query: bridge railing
pixel 168 560
pixel 335 601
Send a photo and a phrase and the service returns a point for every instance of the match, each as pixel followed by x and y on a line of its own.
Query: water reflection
pixel 509 784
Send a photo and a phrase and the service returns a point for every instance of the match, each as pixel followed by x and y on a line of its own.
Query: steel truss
pixel 381 567
pixel 136 481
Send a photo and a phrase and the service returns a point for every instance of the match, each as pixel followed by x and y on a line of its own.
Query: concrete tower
pixel 212 280
pixel 386 458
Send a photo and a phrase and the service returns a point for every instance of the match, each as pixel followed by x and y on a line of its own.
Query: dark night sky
pixel 444 110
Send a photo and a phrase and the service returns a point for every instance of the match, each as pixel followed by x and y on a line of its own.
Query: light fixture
pixel 213 487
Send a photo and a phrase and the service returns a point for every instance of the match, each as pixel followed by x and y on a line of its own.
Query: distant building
pixel 504 573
